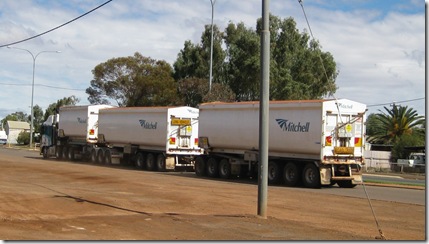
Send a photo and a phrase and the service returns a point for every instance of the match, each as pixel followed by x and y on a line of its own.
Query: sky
pixel 378 45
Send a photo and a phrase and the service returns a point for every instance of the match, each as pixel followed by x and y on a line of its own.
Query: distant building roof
pixel 17 125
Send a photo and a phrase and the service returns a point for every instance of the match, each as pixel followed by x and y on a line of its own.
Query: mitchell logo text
pixel 287 125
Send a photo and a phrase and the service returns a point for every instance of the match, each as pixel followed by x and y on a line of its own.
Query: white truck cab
pixel 416 159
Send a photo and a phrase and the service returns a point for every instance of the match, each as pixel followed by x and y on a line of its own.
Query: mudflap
pixel 325 176
pixel 357 179
pixel 170 163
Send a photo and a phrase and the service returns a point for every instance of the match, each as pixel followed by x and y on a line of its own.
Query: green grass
pixel 393 183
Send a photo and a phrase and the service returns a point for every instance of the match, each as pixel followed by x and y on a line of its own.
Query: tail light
pixel 328 141
pixel 196 142
pixel 358 142
pixel 172 140
pixel 91 132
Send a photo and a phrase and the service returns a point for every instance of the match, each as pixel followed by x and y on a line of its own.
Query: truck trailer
pixel 72 133
pixel 152 138
pixel 313 142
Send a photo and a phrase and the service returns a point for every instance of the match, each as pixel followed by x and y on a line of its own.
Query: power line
pixel 312 36
pixel 320 57
pixel 381 104
pixel 54 87
pixel 13 43
pixel 311 33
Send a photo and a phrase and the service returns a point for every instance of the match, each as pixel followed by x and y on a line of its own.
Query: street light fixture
pixel 32 85
pixel 211 48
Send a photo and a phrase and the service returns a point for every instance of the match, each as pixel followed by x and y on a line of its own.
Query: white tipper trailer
pixel 72 133
pixel 153 138
pixel 313 142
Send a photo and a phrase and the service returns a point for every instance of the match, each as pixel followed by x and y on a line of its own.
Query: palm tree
pixel 394 123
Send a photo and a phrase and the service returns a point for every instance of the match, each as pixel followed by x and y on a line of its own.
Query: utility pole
pixel 264 112
pixel 211 49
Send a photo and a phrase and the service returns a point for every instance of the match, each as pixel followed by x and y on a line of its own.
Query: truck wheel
pixel 66 153
pixel 345 184
pixel 150 162
pixel 200 166
pixel 224 169
pixel 311 176
pixel 85 156
pixel 108 157
pixel 139 160
pixel 274 173
pixel 94 158
pixel 45 152
pixel 160 162
pixel 59 152
pixel 291 174
pixel 212 168
pixel 70 155
pixel 100 156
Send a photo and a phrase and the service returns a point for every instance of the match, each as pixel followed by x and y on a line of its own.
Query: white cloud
pixel 380 55
pixel 380 60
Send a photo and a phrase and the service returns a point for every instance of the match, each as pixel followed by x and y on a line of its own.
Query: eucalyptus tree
pixel 194 59
pixel 133 81
pixel 194 91
pixel 53 107
pixel 243 65
pixel 299 69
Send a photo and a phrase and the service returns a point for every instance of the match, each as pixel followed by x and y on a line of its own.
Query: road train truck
pixel 311 142
pixel 154 138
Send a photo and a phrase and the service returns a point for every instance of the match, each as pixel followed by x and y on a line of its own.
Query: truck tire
pixel 108 157
pixel 100 156
pixel 59 152
pixel 224 169
pixel 274 172
pixel 345 184
pixel 94 158
pixel 139 160
pixel 86 155
pixel 71 154
pixel 291 174
pixel 45 152
pixel 66 153
pixel 150 162
pixel 212 168
pixel 311 176
pixel 160 162
pixel 200 166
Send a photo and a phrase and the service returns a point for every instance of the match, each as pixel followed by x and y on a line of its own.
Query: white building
pixel 13 128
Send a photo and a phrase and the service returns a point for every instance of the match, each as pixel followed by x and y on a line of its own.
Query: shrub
pixel 23 138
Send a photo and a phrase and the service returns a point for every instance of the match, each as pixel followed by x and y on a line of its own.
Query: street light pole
pixel 32 85
pixel 264 112
pixel 211 48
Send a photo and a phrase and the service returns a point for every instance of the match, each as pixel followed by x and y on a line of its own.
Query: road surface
pixel 58 200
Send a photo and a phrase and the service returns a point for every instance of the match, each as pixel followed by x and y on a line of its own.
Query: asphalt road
pixel 394 179
pixel 393 194
pixel 373 192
